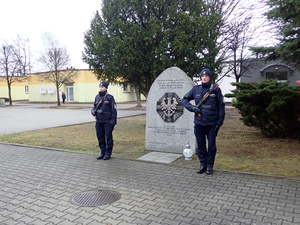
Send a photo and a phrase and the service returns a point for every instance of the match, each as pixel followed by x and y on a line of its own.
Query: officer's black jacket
pixel 107 113
pixel 213 111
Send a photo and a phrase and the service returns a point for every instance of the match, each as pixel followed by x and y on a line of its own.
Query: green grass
pixel 129 135
pixel 240 148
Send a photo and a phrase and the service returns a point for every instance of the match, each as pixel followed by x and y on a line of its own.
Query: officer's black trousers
pixel 206 156
pixel 105 138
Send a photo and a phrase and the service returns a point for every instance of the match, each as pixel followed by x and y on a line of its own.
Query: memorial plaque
pixel 169 126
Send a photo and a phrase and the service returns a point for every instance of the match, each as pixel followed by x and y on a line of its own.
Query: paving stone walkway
pixel 37 185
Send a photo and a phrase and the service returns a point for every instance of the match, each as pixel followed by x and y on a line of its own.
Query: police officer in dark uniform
pixel 208 120
pixel 105 114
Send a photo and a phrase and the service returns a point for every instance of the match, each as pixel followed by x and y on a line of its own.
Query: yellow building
pixel 82 89
pixel 19 90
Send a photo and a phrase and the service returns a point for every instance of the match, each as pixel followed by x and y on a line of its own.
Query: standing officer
pixel 105 113
pixel 208 120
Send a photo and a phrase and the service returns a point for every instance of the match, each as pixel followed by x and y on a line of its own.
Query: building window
pixel 279 75
pixel 125 88
pixel 26 89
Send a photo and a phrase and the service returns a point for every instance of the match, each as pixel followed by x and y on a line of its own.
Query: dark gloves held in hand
pixel 196 110
pixel 217 127
pixel 112 126
pixel 94 112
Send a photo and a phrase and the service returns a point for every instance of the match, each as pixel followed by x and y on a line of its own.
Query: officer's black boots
pixel 209 171
pixel 202 169
pixel 106 157
pixel 101 156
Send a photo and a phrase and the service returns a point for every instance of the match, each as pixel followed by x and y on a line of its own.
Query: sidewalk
pixel 38 185
pixel 25 117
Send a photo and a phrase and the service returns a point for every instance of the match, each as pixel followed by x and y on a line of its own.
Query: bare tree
pixel 240 34
pixel 15 62
pixel 241 56
pixel 56 59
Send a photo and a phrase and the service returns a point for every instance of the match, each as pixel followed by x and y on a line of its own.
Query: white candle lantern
pixel 188 152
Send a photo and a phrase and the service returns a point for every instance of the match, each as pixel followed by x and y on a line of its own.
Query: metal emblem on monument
pixel 169 107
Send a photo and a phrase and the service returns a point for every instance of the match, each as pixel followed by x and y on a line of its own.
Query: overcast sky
pixel 67 20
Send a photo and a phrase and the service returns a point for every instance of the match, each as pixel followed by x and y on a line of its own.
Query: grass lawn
pixel 240 148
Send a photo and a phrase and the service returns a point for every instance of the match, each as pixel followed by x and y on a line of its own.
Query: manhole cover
pixel 96 198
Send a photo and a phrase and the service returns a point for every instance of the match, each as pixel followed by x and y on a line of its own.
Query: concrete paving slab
pixel 37 186
pixel 160 157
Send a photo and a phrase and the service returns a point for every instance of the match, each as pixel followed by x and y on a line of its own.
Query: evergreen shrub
pixel 271 106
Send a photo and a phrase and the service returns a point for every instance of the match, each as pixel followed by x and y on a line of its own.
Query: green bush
pixel 271 106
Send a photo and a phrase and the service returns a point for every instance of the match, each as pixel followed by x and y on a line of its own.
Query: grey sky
pixel 67 20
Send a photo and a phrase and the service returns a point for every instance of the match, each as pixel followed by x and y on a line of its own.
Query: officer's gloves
pixel 112 127
pixel 94 112
pixel 217 127
pixel 196 110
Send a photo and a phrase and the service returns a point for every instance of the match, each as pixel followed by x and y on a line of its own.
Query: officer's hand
pixel 112 127
pixel 217 127
pixel 196 110
pixel 93 112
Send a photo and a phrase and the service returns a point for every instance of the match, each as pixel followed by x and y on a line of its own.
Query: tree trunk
pixel 9 94
pixel 138 97
pixel 57 94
